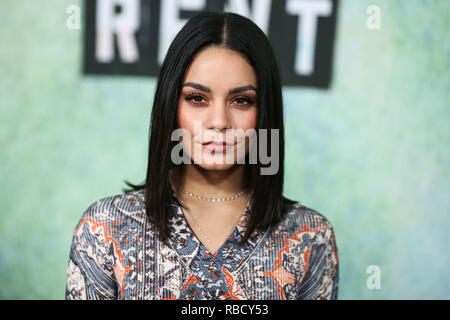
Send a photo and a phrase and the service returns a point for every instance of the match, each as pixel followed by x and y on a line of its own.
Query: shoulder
pixel 300 219
pixel 295 212
pixel 116 206
pixel 119 209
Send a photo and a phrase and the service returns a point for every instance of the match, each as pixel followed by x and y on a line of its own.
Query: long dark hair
pixel 242 35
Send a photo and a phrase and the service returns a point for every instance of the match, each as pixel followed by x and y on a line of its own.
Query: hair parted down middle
pixel 234 32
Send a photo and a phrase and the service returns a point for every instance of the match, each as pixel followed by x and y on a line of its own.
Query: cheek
pixel 248 121
pixel 184 118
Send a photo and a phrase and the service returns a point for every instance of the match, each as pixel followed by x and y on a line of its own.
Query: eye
pixel 195 98
pixel 243 101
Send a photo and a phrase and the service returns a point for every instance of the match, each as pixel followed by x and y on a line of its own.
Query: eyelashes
pixel 194 98
pixel 198 99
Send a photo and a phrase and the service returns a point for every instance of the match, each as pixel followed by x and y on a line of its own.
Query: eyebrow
pixel 206 89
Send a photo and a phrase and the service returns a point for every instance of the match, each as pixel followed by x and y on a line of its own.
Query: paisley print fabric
pixel 116 254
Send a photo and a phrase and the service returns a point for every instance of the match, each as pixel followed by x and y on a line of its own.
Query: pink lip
pixel 218 143
pixel 216 147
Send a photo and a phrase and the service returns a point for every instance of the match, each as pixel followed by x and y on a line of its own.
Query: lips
pixel 214 146
pixel 218 143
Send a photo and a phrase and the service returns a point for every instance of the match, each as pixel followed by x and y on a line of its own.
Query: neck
pixel 211 183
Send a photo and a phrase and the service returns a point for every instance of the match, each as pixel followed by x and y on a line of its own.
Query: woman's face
pixel 218 102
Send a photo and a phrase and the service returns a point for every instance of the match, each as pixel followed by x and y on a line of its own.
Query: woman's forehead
pixel 220 65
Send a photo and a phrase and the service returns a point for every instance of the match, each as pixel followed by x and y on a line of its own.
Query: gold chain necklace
pixel 193 195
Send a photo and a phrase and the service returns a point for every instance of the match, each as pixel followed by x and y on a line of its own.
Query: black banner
pixel 235 310
pixel 131 37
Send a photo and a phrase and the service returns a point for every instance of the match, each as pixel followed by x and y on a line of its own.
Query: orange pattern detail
pixel 278 273
pixel 120 269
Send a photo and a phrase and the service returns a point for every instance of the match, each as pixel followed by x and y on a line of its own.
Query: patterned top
pixel 116 254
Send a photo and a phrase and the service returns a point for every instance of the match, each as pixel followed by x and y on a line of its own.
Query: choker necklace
pixel 237 195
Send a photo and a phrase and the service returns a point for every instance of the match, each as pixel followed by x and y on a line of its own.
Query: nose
pixel 218 117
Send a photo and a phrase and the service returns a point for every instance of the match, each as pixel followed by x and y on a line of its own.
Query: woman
pixel 215 225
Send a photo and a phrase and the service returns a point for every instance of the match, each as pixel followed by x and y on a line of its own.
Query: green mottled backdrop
pixel 372 153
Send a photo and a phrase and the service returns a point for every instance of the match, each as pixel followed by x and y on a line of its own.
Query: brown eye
pixel 243 101
pixel 195 98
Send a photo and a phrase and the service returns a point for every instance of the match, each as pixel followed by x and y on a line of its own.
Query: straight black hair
pixel 234 32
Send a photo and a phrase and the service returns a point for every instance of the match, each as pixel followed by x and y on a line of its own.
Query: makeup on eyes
pixel 244 99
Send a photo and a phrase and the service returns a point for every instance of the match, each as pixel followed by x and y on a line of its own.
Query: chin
pixel 217 162
pixel 215 166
